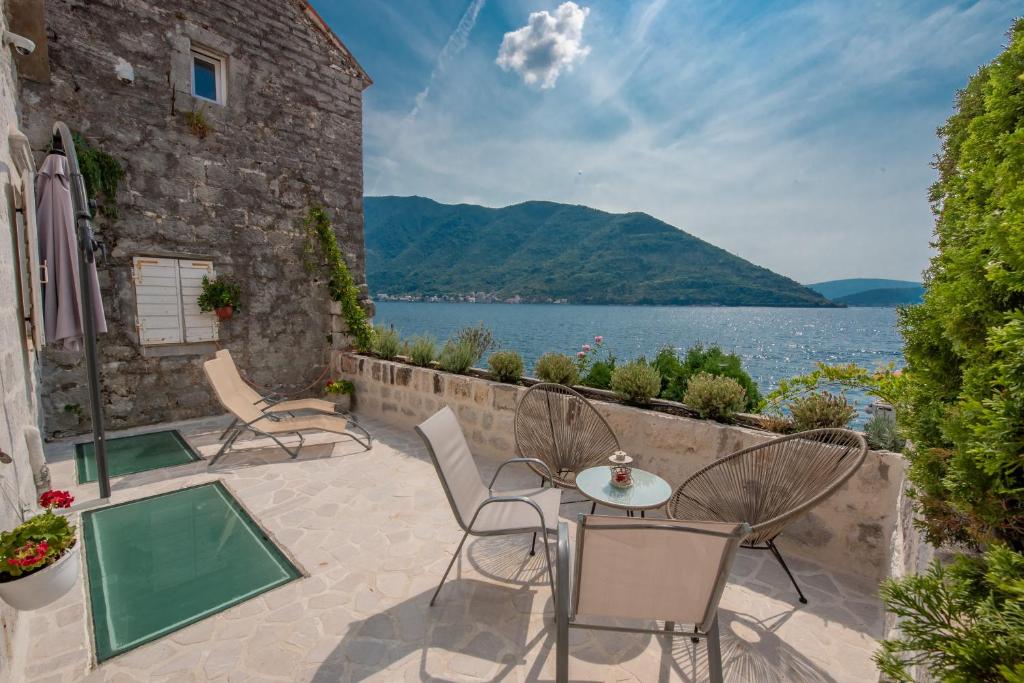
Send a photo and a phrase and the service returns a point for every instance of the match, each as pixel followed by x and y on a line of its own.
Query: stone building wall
pixel 18 361
pixel 289 134
pixel 849 532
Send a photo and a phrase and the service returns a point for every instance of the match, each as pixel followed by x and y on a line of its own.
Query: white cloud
pixel 547 44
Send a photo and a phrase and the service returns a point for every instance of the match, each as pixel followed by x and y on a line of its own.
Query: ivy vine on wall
pixel 320 236
pixel 102 174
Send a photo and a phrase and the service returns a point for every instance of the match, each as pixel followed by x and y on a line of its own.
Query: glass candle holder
pixel 621 470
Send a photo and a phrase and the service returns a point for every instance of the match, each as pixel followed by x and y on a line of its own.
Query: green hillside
pixel 884 296
pixel 835 289
pixel 544 251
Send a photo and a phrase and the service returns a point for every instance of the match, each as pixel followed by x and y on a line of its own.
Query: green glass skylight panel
pixel 131 454
pixel 159 564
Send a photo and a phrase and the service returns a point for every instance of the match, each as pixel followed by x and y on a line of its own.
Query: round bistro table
pixel 649 491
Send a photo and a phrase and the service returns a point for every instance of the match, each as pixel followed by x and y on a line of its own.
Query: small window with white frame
pixel 209 75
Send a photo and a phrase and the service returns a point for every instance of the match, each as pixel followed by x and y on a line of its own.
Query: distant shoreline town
pixel 475 298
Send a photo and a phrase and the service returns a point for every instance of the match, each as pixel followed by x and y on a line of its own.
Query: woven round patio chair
pixel 558 426
pixel 768 486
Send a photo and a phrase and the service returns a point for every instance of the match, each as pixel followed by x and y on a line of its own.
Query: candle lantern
pixel 622 472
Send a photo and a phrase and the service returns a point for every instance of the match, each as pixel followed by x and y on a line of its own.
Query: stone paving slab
pixel 372 532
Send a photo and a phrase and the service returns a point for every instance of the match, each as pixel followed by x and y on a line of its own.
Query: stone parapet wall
pixel 851 531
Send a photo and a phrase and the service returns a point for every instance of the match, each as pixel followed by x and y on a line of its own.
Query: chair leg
pixel 228 429
pixel 533 545
pixel 593 508
pixel 551 572
pixel 778 556
pixel 225 448
pixel 714 653
pixel 455 556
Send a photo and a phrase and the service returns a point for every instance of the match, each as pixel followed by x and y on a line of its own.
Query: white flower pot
pixel 40 588
pixel 342 402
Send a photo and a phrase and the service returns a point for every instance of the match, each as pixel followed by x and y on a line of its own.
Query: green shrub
pixel 218 293
pixel 478 338
pixel 599 374
pixel 780 424
pixel 339 387
pixel 963 400
pixel 882 434
pixel 715 398
pixel 820 410
pixel 506 366
pixel 676 373
pixel 457 356
pixel 422 351
pixel 964 622
pixel 636 381
pixel 386 343
pixel 557 368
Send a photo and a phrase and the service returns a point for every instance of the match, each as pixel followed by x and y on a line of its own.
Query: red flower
pixel 56 499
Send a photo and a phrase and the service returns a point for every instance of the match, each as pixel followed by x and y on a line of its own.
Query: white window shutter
pixel 158 300
pixel 199 326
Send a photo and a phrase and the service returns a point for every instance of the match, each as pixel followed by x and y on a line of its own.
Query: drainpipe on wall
pixel 36 460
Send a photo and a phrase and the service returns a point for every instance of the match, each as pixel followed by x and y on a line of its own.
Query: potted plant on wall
pixel 220 295
pixel 340 391
pixel 39 558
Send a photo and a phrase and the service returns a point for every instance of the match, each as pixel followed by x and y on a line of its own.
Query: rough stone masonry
pixel 287 133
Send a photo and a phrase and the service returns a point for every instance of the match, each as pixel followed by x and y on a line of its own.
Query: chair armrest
pixel 510 499
pixel 536 461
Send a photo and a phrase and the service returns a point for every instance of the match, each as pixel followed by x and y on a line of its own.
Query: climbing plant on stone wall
pixel 102 174
pixel 320 237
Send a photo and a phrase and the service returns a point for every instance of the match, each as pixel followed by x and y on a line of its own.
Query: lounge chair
pixel 477 509
pixel 770 485
pixel 271 403
pixel 233 395
pixel 561 428
pixel 644 570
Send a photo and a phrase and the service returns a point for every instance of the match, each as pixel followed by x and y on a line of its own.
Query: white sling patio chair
pixel 644 570
pixel 227 386
pixel 269 403
pixel 477 509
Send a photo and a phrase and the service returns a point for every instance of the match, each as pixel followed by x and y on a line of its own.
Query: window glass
pixel 204 78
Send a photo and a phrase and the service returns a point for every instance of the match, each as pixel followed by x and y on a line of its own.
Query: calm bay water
pixel 774 343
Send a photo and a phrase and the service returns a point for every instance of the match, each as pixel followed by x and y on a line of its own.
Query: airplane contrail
pixel 456 43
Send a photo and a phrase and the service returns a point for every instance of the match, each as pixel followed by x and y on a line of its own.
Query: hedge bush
pixel 963 404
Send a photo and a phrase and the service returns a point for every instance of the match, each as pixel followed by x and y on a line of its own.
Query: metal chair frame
pixel 764 533
pixel 567 598
pixel 491 499
pixel 556 460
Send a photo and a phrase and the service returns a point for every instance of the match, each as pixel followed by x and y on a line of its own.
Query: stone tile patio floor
pixel 372 531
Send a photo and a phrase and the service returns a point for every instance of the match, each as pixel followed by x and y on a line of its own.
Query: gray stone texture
pixel 289 134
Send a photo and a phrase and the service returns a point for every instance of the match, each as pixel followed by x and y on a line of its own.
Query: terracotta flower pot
pixel 224 312
pixel 42 587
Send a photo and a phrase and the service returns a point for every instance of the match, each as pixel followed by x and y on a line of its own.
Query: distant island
pixel 544 252
pixel 870 291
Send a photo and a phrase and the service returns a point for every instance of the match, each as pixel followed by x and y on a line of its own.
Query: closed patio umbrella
pixel 58 246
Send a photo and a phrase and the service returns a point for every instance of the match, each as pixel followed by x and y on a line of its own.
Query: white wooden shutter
pixel 199 326
pixel 158 300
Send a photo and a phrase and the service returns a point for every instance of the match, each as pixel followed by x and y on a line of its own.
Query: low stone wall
pixel 851 531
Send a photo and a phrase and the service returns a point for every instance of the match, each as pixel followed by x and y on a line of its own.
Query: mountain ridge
pixel 547 251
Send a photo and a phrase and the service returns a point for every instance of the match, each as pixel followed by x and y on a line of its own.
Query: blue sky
pixel 797 134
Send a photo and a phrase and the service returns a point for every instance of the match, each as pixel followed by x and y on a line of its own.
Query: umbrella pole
pixel 86 256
